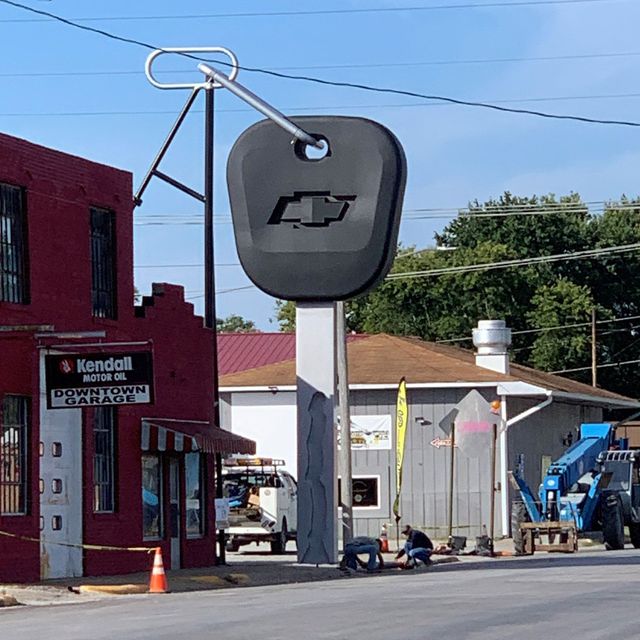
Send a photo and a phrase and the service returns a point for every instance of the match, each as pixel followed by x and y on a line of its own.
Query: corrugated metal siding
pixel 541 434
pixel 425 491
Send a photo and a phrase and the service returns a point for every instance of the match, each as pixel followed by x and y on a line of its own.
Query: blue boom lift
pixel 593 486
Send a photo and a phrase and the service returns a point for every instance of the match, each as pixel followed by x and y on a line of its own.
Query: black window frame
pixel 105 456
pixel 14 469
pixel 104 293
pixel 14 250
pixel 363 503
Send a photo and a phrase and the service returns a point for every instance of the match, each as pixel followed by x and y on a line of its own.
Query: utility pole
pixel 594 357
pixel 210 292
pixel 344 461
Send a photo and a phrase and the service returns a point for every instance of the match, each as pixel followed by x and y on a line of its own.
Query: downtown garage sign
pixel 90 380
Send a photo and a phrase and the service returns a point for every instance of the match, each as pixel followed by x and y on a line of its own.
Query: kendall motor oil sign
pixel 93 380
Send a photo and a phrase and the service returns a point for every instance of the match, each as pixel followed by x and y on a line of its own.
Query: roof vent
pixel 492 339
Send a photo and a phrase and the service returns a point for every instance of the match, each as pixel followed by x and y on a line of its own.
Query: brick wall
pixel 60 189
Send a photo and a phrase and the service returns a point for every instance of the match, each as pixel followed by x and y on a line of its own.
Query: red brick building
pixel 117 475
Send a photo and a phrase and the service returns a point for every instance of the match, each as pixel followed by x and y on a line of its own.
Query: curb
pixel 115 589
pixel 240 579
pixel 8 601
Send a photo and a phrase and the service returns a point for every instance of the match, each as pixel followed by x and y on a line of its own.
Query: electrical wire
pixel 221 291
pixel 183 266
pixel 74 114
pixel 454 62
pixel 580 255
pixel 591 208
pixel 482 211
pixel 320 12
pixel 554 328
pixel 329 67
pixel 504 264
pixel 599 366
pixel 351 85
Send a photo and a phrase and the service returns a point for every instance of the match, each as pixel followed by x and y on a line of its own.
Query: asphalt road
pixel 586 596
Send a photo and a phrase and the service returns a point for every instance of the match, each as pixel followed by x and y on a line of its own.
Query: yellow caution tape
pixel 91 547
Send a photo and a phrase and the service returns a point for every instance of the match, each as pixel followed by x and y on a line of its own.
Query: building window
pixel 104 459
pixel 365 492
pixel 152 498
pixel 13 455
pixel 103 263
pixel 14 277
pixel 194 494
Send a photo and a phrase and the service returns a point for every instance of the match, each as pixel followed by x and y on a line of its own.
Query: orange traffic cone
pixel 384 540
pixel 158 582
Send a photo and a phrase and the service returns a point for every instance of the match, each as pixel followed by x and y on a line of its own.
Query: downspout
pixel 504 458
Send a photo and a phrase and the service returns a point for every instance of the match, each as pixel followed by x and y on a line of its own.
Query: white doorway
pixel 60 451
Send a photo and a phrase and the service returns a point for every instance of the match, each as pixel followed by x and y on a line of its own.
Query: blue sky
pixel 454 153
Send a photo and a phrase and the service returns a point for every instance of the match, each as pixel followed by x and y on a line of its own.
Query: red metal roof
pixel 242 351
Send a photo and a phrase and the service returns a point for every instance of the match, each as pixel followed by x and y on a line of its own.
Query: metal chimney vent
pixel 491 337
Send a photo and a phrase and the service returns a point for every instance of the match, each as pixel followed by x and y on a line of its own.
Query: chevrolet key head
pixel 316 229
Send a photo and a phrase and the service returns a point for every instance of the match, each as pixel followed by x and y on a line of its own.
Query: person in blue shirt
pixel 362 545
pixel 418 547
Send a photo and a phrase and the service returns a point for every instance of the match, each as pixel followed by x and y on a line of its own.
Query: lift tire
pixel 519 515
pixel 612 523
pixel 233 545
pixel 634 534
pixel 279 545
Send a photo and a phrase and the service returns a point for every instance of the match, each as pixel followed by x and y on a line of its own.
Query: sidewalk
pixel 252 567
pixel 248 569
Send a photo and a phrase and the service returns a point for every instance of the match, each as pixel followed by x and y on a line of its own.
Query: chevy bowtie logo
pixel 311 209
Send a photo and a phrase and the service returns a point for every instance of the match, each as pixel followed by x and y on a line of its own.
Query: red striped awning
pixel 174 436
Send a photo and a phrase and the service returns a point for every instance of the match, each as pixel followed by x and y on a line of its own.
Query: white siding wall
pixel 270 420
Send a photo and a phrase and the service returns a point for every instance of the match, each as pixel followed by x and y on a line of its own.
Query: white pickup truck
pixel 262 502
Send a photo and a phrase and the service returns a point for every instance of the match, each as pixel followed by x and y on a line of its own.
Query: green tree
pixel 425 296
pixel 286 315
pixel 559 304
pixel 235 324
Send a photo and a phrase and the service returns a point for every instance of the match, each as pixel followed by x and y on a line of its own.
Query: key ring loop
pixel 189 85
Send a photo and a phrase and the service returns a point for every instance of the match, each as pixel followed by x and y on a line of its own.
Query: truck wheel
pixel 519 515
pixel 634 534
pixel 612 523
pixel 279 545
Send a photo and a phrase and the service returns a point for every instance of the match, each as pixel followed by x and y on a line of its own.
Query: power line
pixel 158 112
pixel 233 289
pixel 580 255
pixel 183 266
pixel 329 67
pixel 482 211
pixel 462 213
pixel 554 328
pixel 505 264
pixel 600 366
pixel 318 12
pixel 351 85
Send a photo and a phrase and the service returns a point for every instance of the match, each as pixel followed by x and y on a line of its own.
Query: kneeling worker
pixel 362 545
pixel 417 547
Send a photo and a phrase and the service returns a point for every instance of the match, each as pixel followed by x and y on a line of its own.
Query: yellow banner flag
pixel 402 416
